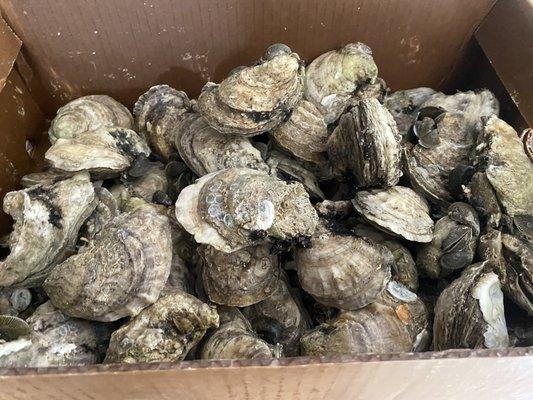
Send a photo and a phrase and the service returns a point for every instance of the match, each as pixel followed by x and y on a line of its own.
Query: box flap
pixel 10 46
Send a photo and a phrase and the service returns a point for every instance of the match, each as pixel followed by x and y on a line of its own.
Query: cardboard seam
pixel 12 62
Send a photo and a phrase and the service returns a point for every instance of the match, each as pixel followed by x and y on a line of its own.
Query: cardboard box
pixel 54 51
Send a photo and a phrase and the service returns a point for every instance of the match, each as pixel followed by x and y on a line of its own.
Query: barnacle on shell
pixel 88 113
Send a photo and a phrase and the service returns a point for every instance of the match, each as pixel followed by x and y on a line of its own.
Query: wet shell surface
pixel 332 78
pixel 366 144
pixel 120 272
pixel 342 270
pixel 158 113
pixel 304 134
pixel 205 150
pixel 104 152
pixel 470 312
pixel 398 210
pixel 254 99
pixel 86 114
pixel 241 278
pixel 47 220
pixel 163 332
pixel 237 207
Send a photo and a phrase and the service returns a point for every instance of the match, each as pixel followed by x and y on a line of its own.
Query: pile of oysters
pixel 291 209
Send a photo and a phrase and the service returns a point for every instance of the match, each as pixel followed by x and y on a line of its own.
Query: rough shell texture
pixel 86 114
pixel 332 78
pixel 470 313
pixel 482 197
pixel 396 323
pixel 104 152
pixel 48 177
pixel 55 340
pixel 106 209
pixel 120 272
pixel 14 300
pixel 254 99
pixel 158 113
pixel 234 339
pixel 163 332
pixel 241 278
pixel 47 220
pixel 152 181
pixel 501 155
pixel 366 144
pixel 304 134
pixel 205 150
pixel 397 210
pixel 236 207
pixel 342 270
pixel 454 242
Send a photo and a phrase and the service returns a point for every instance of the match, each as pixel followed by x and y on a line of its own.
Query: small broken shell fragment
pixel 237 207
pixel 304 134
pixel 158 113
pixel 86 114
pixel 342 270
pixel 366 144
pixel 118 273
pixel 500 154
pixel 398 210
pixel 454 242
pixel 241 278
pixel 12 328
pixel 235 339
pixel 47 220
pixel 254 99
pixel 104 152
pixel 205 150
pixel 395 323
pixel 332 78
pixel 106 209
pixel 470 313
pixel 163 332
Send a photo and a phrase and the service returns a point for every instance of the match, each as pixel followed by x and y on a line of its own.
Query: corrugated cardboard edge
pixel 10 46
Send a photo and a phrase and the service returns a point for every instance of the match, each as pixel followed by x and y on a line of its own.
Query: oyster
pixel 397 322
pixel 397 210
pixel 12 328
pixel 205 150
pixel 403 105
pixel 500 154
pixel 454 242
pixel 304 134
pixel 342 270
pixel 527 140
pixel 234 208
pixel 165 331
pixel 470 313
pixel 234 339
pixel 254 99
pixel 332 78
pixel 47 220
pixel 86 114
pixel 47 177
pixel 366 144
pixel 120 272
pixel 104 152
pixel 106 209
pixel 241 278
pixel 14 300
pixel 158 113
pixel 480 194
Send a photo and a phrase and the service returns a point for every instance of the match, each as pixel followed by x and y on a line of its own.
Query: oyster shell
pixel 332 78
pixel 104 152
pixel 366 144
pixel 163 332
pixel 86 114
pixel 234 208
pixel 205 150
pixel 254 99
pixel 47 220
pixel 398 210
pixel 234 339
pixel 106 209
pixel 397 322
pixel 241 278
pixel 158 113
pixel 480 194
pixel 342 270
pixel 454 242
pixel 120 272
pixel 304 134
pixel 47 177
pixel 12 328
pixel 14 300
pixel 470 312
pixel 500 154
